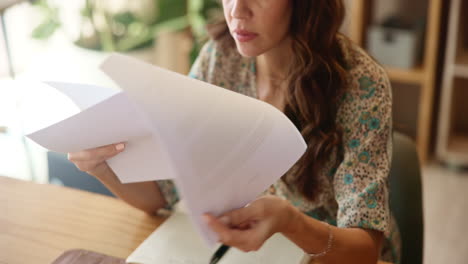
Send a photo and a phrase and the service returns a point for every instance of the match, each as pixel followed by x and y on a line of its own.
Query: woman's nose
pixel 240 9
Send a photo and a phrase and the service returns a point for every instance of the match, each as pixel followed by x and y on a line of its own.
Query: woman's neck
pixel 272 69
pixel 273 65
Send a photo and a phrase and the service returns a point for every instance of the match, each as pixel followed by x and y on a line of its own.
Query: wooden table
pixel 39 222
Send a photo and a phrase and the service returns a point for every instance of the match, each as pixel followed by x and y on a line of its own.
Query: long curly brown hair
pixel 316 81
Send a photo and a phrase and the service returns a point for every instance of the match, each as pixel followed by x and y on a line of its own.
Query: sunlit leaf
pixel 195 6
pixel 45 29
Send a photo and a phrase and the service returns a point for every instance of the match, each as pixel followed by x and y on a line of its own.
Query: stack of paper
pixel 221 148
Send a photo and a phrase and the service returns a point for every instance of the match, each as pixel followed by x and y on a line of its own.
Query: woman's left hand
pixel 249 227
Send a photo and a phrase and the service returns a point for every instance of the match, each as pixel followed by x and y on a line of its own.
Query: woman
pixel 333 203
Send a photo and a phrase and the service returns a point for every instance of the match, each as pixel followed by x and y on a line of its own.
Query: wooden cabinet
pixel 452 143
pixel 424 76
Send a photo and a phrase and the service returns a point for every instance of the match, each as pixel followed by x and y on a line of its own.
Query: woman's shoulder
pixel 220 63
pixel 368 82
pixel 357 59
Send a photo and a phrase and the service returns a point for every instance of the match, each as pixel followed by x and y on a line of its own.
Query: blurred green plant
pixel 102 29
pixel 49 24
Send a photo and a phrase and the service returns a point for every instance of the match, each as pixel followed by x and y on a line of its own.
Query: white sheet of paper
pixel 108 118
pixel 226 147
pixel 222 148
pixel 83 95
pixel 176 241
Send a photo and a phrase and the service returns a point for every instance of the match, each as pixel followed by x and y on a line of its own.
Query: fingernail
pixel 225 220
pixel 120 146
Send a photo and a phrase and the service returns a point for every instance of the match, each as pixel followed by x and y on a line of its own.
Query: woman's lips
pixel 244 35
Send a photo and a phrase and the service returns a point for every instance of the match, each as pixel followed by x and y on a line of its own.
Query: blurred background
pixel 423 44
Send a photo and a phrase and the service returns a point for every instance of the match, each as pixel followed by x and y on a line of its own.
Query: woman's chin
pixel 248 50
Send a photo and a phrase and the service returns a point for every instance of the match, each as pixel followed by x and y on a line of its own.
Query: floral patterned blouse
pixel 354 194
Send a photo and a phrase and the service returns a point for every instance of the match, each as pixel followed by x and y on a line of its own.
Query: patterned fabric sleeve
pixel 169 192
pixel 201 68
pixel 360 182
pixel 198 71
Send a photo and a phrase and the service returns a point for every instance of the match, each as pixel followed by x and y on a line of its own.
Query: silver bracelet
pixel 329 244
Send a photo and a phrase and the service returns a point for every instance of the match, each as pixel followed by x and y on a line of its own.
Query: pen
pixel 219 253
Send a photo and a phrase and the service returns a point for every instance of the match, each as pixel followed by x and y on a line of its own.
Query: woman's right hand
pixel 93 161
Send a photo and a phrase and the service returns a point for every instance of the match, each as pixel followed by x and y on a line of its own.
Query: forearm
pixel 349 245
pixel 142 195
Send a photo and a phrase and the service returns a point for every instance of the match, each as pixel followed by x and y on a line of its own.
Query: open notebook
pixel 177 242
